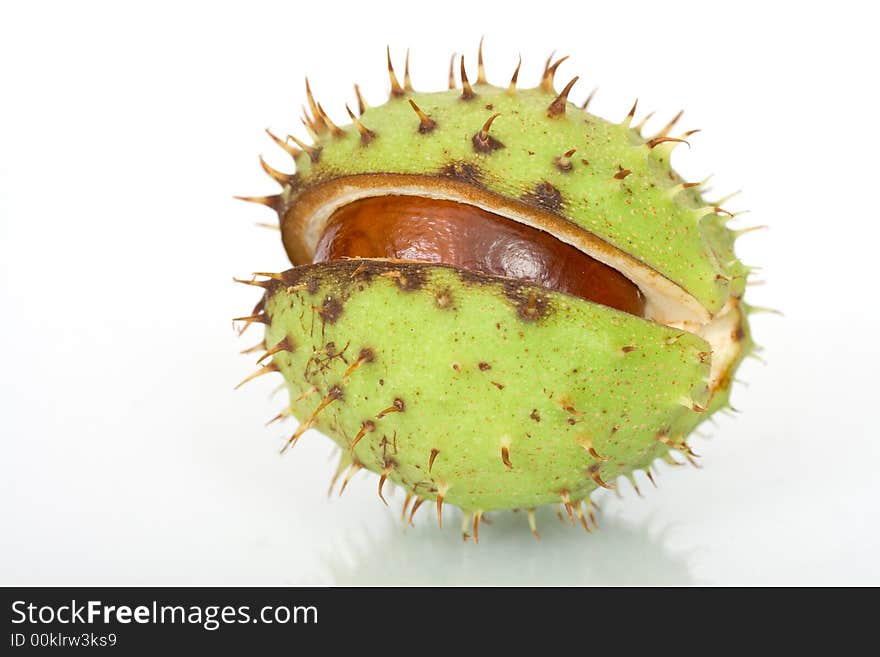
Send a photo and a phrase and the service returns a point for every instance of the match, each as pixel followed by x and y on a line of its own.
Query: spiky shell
pixel 484 392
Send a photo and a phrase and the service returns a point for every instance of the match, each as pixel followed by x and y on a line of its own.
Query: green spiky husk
pixel 491 393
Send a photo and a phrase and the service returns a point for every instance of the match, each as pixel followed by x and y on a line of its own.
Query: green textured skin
pixel 483 363
pixel 579 370
pixel 674 236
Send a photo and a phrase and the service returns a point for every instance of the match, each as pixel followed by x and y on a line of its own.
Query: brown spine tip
pixel 566 502
pixel 367 135
pixel 656 141
pixel 396 90
pixel 397 406
pixel 592 451
pixel 280 177
pixel 262 319
pixel 557 107
pixel 550 73
pixel 533 525
pixel 477 516
pixel 382 480
pixel 505 457
pixel 283 345
pixel 467 92
pixel 631 113
pixel 563 162
pixel 366 426
pixel 285 412
pixel 365 356
pixel 481 70
pixel 590 504
pixel 621 173
pixel 434 453
pixel 670 125
pixel 314 152
pixel 511 88
pixel 589 99
pixel 290 150
pixel 335 130
pixel 403 511
pixel 353 469
pixel 635 485
pixel 415 508
pixel 641 124
pixel 452 71
pixel 407 83
pixel 547 63
pixel 312 127
pixel 362 106
pixel 593 471
pixel 315 121
pixel 440 511
pixel 484 142
pixel 587 444
pixel 687 450
pixel 580 514
pixel 273 202
pixel 333 394
pixel 266 369
pixel 261 345
pixel 426 123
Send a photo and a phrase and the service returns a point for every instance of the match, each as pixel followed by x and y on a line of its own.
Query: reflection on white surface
pixel 618 554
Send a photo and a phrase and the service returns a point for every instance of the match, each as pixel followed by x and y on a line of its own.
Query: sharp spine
pixel 511 88
pixel 280 177
pixel 290 150
pixel 481 70
pixel 396 90
pixel 367 135
pixel 314 152
pixel 629 117
pixel 665 130
pixel 452 71
pixel 407 83
pixel 273 201
pixel 533 525
pixel 384 476
pixel 315 120
pixel 266 369
pixel 362 106
pixel 550 73
pixel 415 507
pixel 335 130
pixel 283 345
pixel 557 107
pixel 467 92
pixel 426 123
pixel 589 99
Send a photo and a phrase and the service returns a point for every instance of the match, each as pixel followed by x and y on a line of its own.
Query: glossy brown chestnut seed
pixel 467 237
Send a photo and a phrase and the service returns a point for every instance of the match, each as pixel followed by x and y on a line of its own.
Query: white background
pixel 124 132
